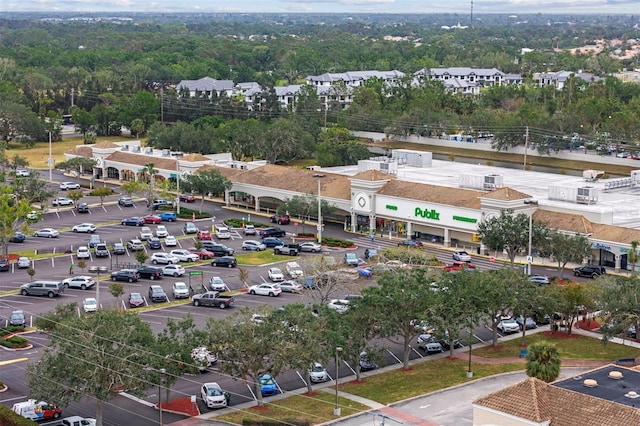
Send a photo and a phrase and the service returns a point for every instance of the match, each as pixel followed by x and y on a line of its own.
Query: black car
pixel 218 250
pixel 125 202
pixel 128 275
pixel 154 243
pixel 280 219
pixel 4 265
pixel 133 221
pixel 410 243
pixel 272 242
pixel 157 294
pixel 18 319
pixel 366 363
pixel 592 271
pixel 19 237
pixel 82 208
pixel 272 232
pixel 150 272
pixel 227 261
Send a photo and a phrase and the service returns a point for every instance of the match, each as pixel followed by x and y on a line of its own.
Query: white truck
pixel 34 410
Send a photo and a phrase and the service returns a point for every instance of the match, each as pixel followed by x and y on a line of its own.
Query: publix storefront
pixel 436 222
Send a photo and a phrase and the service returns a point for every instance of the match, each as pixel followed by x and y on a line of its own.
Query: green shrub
pixel 238 223
pixel 336 242
pixel 94 195
pixel 186 213
pixel 9 418
pixel 14 342
pixel 10 329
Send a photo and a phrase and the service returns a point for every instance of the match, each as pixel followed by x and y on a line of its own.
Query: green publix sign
pixel 433 214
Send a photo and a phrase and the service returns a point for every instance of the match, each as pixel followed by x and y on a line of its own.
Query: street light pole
pixel 319 176
pixel 336 410
pixel 162 371
pixel 529 258
pixel 50 159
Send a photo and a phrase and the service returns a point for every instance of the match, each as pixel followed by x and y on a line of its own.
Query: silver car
pixel 253 245
pixel 311 246
pixel 46 233
pixel 317 373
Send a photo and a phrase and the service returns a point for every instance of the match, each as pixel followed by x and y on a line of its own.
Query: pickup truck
pixel 213 298
pixel 288 249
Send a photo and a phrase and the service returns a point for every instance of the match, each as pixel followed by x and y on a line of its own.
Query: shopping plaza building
pixel 408 194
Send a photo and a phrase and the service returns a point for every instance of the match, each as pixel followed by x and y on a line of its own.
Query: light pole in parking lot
pixel 529 258
pixel 98 270
pixel 50 159
pixel 336 409
pixel 319 176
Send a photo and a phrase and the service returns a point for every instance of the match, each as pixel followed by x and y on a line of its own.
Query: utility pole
pixel 72 95
pixel 526 145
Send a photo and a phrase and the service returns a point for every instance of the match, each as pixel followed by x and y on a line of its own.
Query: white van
pixel 222 232
pixel 34 410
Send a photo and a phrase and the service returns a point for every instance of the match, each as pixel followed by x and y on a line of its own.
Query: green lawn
pixel 255 258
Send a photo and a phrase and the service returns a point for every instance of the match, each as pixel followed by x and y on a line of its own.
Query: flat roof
pixel 621 203
pixel 618 390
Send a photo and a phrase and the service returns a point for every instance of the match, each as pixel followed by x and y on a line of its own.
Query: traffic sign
pixel 319 227
pixel 529 259
pixel 194 273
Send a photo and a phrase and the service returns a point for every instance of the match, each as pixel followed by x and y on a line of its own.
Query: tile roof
pixel 458 197
pixel 537 401
pixel 106 144
pixel 564 221
pixel 141 160
pixel 372 175
pixel 506 194
pixel 194 157
pixel 82 151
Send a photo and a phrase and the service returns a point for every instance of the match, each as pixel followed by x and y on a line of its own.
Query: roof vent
pixel 632 395
pixel 615 375
pixel 590 383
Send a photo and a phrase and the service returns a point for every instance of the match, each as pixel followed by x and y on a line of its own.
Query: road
pixel 107 217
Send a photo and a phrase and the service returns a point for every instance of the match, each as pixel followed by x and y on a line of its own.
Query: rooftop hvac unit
pixel 166 152
pixel 635 176
pixel 135 148
pixel 592 175
pixel 587 195
pixel 148 150
pixel 178 154
pixel 492 182
pixel 124 148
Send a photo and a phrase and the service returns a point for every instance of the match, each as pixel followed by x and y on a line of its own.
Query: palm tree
pixel 150 171
pixel 543 361
pixel 633 255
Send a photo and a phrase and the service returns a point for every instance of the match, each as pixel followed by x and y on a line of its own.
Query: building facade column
pixel 227 198
pixel 447 238
pixel 618 262
pixel 257 207
pixel 372 224
pixel 409 229
pixel 354 222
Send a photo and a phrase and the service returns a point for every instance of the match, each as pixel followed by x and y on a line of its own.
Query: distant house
pixel 480 77
pixel 207 86
pixel 353 78
pixel 559 79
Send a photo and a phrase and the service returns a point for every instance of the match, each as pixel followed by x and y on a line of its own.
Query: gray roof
pixel 564 76
pixel 460 71
pixel 350 76
pixel 206 84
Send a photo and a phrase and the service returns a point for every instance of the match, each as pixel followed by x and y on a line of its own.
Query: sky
pixel 328 6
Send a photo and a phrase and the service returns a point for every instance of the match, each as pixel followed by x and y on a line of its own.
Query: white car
pixel 90 304
pixel 145 233
pixel 161 231
pixel 291 286
pixel 80 281
pixel 173 270
pixel 88 228
pixel 180 290
pixel 33 215
pixel 275 274
pixel 508 325
pixel 62 201
pixel 213 396
pixel 462 256
pixel 203 357
pixel 217 284
pixel 83 252
pixel 184 255
pixel 294 270
pixel 24 262
pixel 22 173
pixel 164 258
pixel 69 185
pixel 265 289
pixel 311 246
pixel 253 245
pixel 170 241
pixel 317 373
pixel 46 233
pixel 250 230
pixel 78 421
pixel 338 305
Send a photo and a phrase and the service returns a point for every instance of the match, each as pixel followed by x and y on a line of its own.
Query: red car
pixel 187 198
pixel 151 218
pixel 204 254
pixel 204 235
pixel 460 266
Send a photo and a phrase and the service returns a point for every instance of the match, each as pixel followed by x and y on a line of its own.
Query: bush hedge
pixel 336 242
pixel 9 418
pixel 14 342
pixel 186 213
pixel 238 223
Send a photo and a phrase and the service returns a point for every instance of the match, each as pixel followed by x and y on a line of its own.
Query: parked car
pixel 203 235
pixel 410 243
pixel 310 246
pixel 540 279
pixel 170 241
pixel 145 233
pixel 157 294
pixel 218 250
pixel 338 305
pixel 128 275
pixel 132 221
pixel 135 300
pixel 134 245
pixel 429 344
pixel 459 266
pixel 266 289
pixel 62 201
pixel 69 185
pixel 370 252
pixel 202 253
pixel 82 208
pixel 272 242
pixel 18 319
pixel 275 274
pixel 529 323
pixel 462 256
pixel 294 270
pixel 592 271
pixel 291 286
pixel 508 325
pixel 253 245
pixel 317 373
pixel 161 231
pixel 268 385
pixel 152 219
pixel 46 233
pixel 168 216
pixel 217 284
pixel 88 228
pixel 227 261
pixel 158 204
pixel 154 243
pixel 187 198
pixel 22 173
pixel 272 232
pixel 288 249
pixel 24 262
pixel 82 282
pixel 173 270
pixel 280 219
pixel 125 202
pixel 190 228
pixel 42 288
pixel 249 230
pixel 94 240
pixel 33 216
pixel 351 258
pixel 90 304
pixel 36 411
pixel 83 252
pixel 150 272
pixel 213 298
pixel 164 258
pixel 4 265
pixel 366 363
pixel 18 237
pixel 213 396
pixel 101 250
pixel 78 421
pixel 180 290
pixel 184 255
